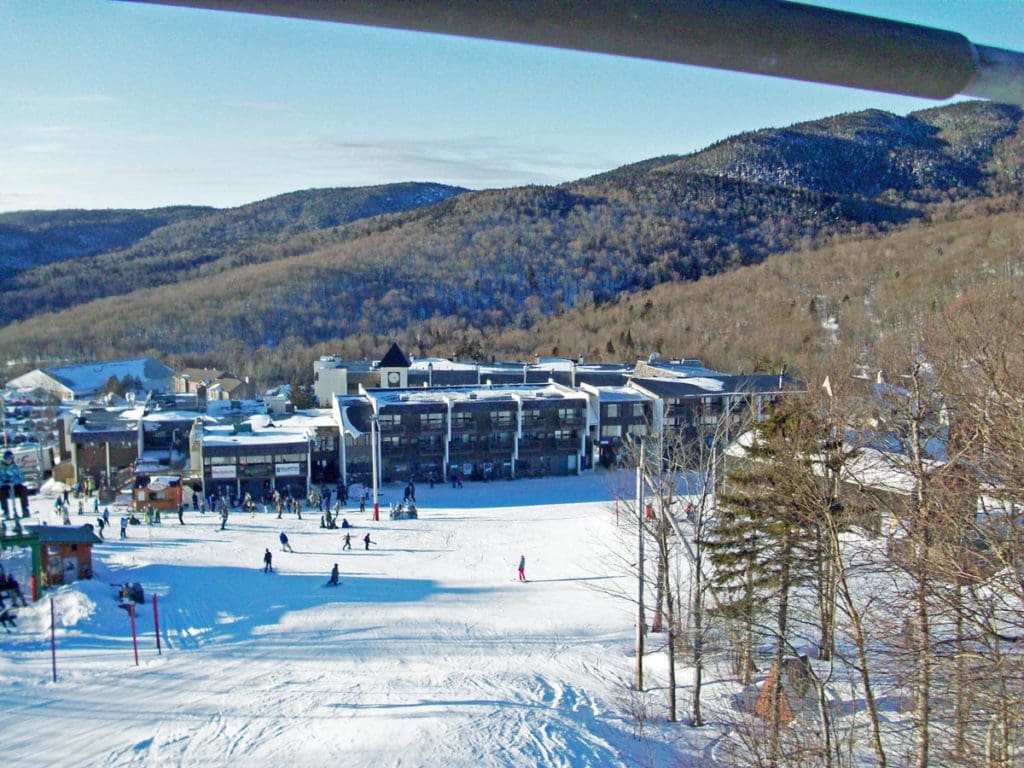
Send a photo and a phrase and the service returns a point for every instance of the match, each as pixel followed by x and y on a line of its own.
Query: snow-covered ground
pixel 430 653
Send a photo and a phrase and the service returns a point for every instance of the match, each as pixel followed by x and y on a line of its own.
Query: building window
pixel 612 411
pixel 389 419
pixel 638 410
pixel 254 459
pixel 611 431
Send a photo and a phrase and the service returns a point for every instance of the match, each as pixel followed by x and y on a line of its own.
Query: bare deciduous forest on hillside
pixel 759 251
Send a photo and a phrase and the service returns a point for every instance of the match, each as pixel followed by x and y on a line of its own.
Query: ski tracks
pixel 535 719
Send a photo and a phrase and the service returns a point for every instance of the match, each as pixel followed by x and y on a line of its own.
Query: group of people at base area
pixel 12 483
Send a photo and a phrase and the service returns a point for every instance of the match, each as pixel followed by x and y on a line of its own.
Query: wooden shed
pixel 163 492
pixel 796 685
pixel 66 551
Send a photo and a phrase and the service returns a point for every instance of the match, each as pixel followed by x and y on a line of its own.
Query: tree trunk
pixel 670 617
pixel 698 642
pixel 860 643
pixel 780 647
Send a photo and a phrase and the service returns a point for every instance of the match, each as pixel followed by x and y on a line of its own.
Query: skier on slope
pixel 267 560
pixel 522 567
pixel 333 581
pixel 285 546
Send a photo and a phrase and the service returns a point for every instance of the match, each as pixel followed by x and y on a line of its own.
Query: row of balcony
pixel 480 426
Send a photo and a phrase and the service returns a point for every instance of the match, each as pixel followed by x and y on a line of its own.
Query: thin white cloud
pixel 38 149
pixel 467 161
pixel 84 98
pixel 262 106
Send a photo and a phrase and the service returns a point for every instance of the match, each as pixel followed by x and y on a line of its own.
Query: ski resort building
pixel 76 382
pixel 212 384
pixel 333 375
pixel 479 433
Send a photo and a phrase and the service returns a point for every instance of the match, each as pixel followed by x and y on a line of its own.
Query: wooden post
pixel 53 638
pixel 156 625
pixel 135 640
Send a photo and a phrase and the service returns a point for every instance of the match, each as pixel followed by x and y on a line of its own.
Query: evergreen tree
pixel 760 545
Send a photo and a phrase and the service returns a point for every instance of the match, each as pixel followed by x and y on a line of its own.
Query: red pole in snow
pixel 376 511
pixel 156 624
pixel 135 640
pixel 53 638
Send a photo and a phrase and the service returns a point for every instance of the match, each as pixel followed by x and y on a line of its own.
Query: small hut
pixel 66 551
pixel 162 492
pixel 796 686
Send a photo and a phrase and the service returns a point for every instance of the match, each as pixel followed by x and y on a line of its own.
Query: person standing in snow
pixel 285 546
pixel 124 526
pixel 367 541
pixel 267 560
pixel 181 513
pixel 223 516
pixel 348 541
pixel 522 567
pixel 333 581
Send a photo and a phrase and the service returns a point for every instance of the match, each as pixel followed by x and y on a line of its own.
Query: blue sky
pixel 109 105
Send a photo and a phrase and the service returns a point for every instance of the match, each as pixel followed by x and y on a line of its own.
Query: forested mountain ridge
pixel 481 263
pixel 206 242
pixel 33 238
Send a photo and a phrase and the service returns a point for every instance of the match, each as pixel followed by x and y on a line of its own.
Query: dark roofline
pixel 64 534
pixel 395 358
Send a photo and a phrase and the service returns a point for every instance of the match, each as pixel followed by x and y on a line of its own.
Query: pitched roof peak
pixel 395 358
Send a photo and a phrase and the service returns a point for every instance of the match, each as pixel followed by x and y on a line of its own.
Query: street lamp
pixel 374 432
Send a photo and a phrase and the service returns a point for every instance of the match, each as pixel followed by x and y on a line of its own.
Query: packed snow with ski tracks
pixel 429 653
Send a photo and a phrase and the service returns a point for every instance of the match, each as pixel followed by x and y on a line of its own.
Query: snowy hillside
pixel 430 653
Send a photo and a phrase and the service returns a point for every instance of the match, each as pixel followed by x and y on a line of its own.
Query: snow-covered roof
pixel 158 416
pixel 440 364
pixel 385 397
pixel 92 377
pixel 268 437
pixel 312 417
pixel 620 394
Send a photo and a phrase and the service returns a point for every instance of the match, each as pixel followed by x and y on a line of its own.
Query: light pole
pixel 374 432
pixel 641 621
